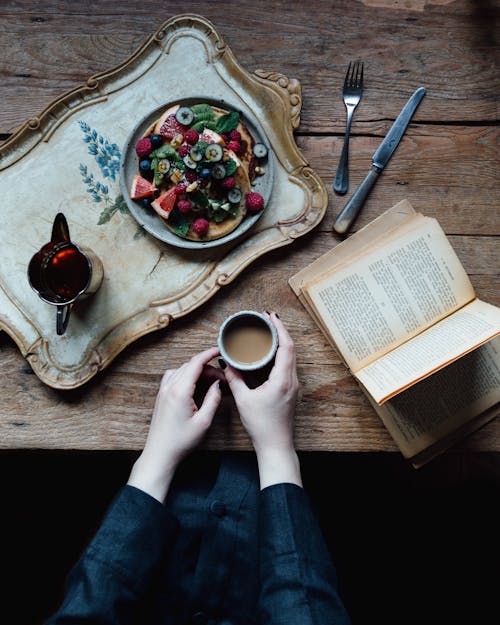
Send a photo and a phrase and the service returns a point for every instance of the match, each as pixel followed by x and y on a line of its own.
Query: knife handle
pixel 350 211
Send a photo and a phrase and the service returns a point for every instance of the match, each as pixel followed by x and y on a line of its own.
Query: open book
pixel 396 303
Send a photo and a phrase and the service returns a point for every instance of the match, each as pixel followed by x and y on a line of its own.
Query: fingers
pixel 193 369
pixel 210 404
pixel 235 380
pixel 285 356
pixel 213 373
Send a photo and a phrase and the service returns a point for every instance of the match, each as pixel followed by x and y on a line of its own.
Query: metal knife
pixel 380 159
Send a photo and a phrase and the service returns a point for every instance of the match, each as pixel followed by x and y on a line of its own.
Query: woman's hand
pixel 178 424
pixel 267 412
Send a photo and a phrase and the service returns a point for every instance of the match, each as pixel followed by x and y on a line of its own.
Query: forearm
pixel 298 579
pixel 117 567
pixel 278 466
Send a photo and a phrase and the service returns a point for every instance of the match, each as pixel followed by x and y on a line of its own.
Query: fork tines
pixel 354 75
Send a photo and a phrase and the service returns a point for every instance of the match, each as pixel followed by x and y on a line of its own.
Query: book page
pixel 387 296
pixel 431 350
pixel 374 234
pixel 441 404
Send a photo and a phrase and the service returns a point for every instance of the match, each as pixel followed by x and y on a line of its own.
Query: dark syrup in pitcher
pixel 67 273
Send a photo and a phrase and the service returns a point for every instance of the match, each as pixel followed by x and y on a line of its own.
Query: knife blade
pixel 379 160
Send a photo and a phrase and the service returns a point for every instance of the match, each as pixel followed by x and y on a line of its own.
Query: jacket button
pixel 218 508
pixel 200 618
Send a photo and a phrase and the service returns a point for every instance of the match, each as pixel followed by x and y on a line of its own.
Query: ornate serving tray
pixel 67 160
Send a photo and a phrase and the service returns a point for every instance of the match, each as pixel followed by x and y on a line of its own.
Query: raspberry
pixel 144 147
pixel 234 135
pixel 225 138
pixel 200 227
pixel 255 202
pixel 190 176
pixel 183 150
pixel 234 146
pixel 191 136
pixel 243 147
pixel 184 206
pixel 180 188
pixel 228 183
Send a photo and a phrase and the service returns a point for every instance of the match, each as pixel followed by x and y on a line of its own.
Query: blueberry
pixel 145 165
pixel 156 141
pixel 145 202
pixel 205 173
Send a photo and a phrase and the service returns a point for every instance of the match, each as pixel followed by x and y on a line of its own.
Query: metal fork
pixel 353 88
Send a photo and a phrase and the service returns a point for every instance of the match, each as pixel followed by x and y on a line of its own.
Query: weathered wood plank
pixel 447 172
pixel 49 48
pixel 112 411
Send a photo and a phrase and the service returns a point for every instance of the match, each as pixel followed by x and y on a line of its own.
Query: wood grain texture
pixel 49 47
pixel 447 166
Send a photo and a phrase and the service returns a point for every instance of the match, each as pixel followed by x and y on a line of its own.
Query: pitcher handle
pixel 62 318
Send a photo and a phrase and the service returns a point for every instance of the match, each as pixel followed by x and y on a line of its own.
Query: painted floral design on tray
pixel 107 156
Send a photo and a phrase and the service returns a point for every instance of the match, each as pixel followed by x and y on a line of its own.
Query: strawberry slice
pixel 141 188
pixel 164 204
pixel 171 127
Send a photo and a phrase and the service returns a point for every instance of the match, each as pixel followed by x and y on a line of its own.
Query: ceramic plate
pixel 153 223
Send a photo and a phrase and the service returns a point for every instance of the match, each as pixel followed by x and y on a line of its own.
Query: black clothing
pixel 226 554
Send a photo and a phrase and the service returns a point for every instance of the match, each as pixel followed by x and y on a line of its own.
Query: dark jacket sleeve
pixel 298 579
pixel 115 570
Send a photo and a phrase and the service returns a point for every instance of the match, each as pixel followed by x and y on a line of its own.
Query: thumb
pixel 235 380
pixel 210 404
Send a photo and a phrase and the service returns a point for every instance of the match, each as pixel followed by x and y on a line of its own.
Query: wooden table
pixel 446 166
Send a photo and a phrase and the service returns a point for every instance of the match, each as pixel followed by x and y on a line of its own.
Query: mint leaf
pixel 179 223
pixel 228 122
pixel 198 197
pixel 231 167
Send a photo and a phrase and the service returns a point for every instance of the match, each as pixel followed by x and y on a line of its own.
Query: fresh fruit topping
pixel 234 135
pixel 191 136
pixel 163 166
pixel 183 150
pixel 228 183
pixel 200 227
pixel 145 165
pixel 189 162
pixel 260 150
pixel 165 203
pixel 214 152
pixel 184 115
pixel 234 196
pixel 190 176
pixel 180 188
pixel 176 175
pixel 177 140
pixel 171 127
pixel 210 136
pixel 145 202
pixel 196 154
pixel 143 147
pixel 235 146
pixel 184 206
pixel 205 172
pixel 225 138
pixel 255 202
pixel 193 187
pixel 218 171
pixel 141 188
pixel 156 141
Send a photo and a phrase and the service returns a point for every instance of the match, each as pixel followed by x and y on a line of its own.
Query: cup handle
pixel 62 318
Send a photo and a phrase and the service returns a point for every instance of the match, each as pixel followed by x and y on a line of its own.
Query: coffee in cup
pixel 248 340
